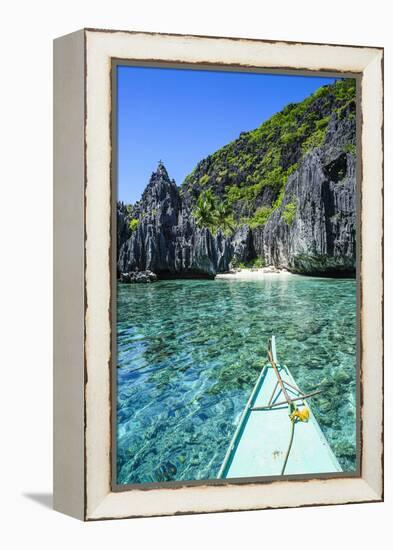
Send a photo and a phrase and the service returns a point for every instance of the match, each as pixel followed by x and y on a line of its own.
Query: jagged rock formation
pixel 321 238
pixel 165 239
pixel 290 186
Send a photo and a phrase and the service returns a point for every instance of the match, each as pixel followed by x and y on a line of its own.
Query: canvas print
pixel 236 304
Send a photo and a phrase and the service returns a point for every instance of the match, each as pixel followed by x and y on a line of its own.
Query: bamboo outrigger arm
pixel 291 400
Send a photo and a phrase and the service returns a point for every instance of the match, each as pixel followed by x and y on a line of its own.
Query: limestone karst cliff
pixel 282 195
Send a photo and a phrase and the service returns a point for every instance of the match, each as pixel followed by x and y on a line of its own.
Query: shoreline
pixel 249 273
pixel 254 273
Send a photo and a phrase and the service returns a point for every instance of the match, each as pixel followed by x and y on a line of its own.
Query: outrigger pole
pixel 271 352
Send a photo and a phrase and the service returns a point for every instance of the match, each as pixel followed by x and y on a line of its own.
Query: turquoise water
pixel 190 351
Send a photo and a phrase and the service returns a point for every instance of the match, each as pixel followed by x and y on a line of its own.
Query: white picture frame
pixel 82 256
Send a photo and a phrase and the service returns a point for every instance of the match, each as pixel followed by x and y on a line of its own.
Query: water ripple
pixel 189 353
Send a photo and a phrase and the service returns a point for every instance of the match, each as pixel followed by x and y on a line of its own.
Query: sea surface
pixel 190 351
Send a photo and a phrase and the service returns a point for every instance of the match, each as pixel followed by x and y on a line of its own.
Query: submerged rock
pixel 138 277
pixel 341 377
pixel 344 449
pixel 166 472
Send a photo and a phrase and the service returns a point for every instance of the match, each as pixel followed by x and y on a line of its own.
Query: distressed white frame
pixel 98 499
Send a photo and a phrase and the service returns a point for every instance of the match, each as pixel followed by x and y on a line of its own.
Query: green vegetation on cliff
pixel 214 215
pixel 289 212
pixel 248 176
pixel 133 224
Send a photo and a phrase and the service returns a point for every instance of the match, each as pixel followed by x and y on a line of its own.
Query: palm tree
pixel 212 216
pixel 204 211
pixel 224 218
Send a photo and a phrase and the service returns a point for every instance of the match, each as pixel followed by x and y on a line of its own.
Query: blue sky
pixel 180 116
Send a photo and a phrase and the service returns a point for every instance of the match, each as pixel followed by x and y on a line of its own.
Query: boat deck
pixel 260 443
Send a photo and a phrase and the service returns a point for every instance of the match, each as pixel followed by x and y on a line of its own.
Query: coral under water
pixel 190 351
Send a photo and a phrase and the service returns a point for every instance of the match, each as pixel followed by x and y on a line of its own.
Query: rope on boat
pixel 297 415
pixel 293 422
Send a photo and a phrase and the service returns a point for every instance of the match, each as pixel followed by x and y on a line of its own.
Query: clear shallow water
pixel 190 351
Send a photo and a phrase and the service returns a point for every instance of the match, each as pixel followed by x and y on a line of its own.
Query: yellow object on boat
pixel 260 441
pixel 301 415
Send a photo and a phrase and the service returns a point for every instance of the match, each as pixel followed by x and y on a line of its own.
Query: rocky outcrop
pixel 138 277
pixel 321 238
pixel 242 248
pixel 298 168
pixel 165 239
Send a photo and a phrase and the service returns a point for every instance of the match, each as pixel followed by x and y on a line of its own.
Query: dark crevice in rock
pixel 337 169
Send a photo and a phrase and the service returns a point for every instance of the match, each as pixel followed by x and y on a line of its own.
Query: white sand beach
pixel 255 273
